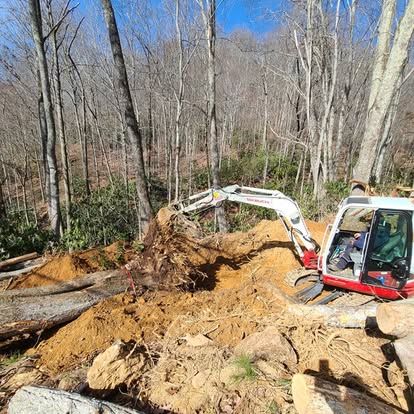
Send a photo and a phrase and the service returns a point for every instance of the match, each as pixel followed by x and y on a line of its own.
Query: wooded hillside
pixel 170 103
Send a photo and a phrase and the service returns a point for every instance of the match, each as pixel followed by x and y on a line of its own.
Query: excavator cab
pixel 383 264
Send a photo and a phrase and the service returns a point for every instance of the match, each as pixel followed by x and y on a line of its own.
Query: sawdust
pixel 70 266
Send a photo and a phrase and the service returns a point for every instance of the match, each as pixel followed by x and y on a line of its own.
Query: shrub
pixel 17 237
pixel 107 215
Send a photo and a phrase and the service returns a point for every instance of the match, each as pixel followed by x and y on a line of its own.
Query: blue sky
pixel 254 15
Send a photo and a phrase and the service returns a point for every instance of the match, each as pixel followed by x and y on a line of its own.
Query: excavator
pixel 382 267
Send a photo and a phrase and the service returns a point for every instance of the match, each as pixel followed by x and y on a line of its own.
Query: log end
pixel 300 393
pixel 386 318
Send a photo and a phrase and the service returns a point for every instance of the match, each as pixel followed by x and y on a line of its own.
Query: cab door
pixel 388 254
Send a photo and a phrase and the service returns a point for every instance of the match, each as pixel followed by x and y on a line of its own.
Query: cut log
pixel 338 317
pixel 39 400
pixel 404 348
pixel 29 310
pixel 312 395
pixel 16 260
pixel 396 318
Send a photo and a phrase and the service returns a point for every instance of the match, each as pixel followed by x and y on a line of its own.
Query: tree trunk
pixel 54 207
pixel 179 98
pixel 36 400
pixel 387 71
pixel 312 395
pixel 43 137
pixel 339 317
pixel 2 203
pixel 61 128
pixel 130 117
pixel 29 310
pixel 210 22
pixel 17 260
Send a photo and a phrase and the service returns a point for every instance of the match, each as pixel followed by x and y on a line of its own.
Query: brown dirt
pixel 233 302
pixel 234 289
pixel 70 266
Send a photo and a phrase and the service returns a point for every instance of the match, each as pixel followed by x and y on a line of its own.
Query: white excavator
pixel 380 264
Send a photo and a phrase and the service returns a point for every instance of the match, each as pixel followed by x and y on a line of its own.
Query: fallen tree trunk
pixel 312 395
pixel 396 318
pixel 338 317
pixel 29 310
pixel 32 265
pixel 16 260
pixel 39 400
pixel 86 281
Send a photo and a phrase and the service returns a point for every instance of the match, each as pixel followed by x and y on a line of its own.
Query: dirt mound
pixel 243 271
pixel 69 266
pixel 176 255
pixel 154 317
pixel 230 267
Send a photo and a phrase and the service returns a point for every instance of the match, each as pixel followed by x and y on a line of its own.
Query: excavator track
pixel 297 277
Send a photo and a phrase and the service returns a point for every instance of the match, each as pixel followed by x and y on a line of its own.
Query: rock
pixel 270 371
pixel 72 380
pixel 113 368
pixel 41 400
pixel 200 379
pixel 23 378
pixel 268 345
pixel 198 340
pixel 228 374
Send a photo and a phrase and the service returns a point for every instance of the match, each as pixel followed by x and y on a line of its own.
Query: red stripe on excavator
pixel 310 259
pixel 357 286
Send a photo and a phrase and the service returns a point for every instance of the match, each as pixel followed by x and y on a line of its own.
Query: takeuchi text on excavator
pixel 367 249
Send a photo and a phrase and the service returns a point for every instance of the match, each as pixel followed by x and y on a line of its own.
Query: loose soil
pixel 228 267
pixel 70 266
pixel 216 286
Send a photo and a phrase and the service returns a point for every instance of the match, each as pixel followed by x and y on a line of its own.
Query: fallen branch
pixel 32 400
pixel 312 395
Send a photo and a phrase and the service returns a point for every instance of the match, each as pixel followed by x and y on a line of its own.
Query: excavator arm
pixel 287 210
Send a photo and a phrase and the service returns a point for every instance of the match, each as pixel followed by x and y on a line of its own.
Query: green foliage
pixel 336 191
pixel 246 367
pixel 17 237
pixel 138 246
pixel 247 216
pixel 11 359
pixel 104 262
pixel 107 215
pixel 273 408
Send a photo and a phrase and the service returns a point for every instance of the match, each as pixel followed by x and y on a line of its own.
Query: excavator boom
pixel 287 209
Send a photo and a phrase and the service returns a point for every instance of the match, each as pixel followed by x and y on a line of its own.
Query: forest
pixel 206 206
pixel 110 111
